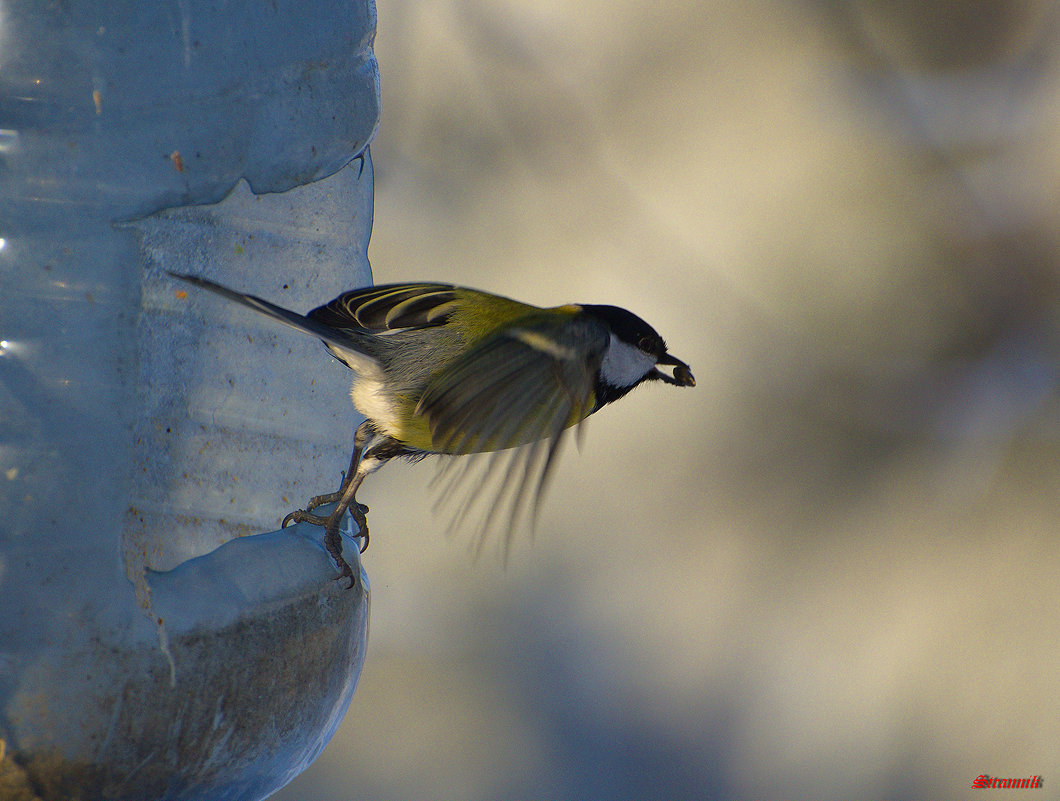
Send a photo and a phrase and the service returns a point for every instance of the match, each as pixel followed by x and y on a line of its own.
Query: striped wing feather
pixel 390 307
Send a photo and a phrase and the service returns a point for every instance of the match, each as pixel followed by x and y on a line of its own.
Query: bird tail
pixel 337 340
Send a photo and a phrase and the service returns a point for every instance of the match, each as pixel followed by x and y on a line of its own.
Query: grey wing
pixel 524 387
pixel 383 311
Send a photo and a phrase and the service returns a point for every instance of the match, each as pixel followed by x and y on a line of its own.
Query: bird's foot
pixel 306 515
pixel 359 512
pixel 331 497
pixel 303 516
pixel 333 541
pixel 332 537
pixel 345 571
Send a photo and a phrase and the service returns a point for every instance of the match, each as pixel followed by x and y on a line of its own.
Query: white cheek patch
pixel 625 365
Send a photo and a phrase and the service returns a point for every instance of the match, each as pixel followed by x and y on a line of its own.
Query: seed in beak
pixel 684 376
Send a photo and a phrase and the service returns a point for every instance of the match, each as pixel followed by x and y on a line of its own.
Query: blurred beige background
pixel 830 570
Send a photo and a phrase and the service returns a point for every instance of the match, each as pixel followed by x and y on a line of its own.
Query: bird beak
pixel 682 376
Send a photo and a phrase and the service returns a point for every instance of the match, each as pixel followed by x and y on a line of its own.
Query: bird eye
pixel 645 344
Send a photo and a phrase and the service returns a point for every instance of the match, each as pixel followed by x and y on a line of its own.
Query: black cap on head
pixel 628 327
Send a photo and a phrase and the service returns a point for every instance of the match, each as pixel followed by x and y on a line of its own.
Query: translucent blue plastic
pixel 159 638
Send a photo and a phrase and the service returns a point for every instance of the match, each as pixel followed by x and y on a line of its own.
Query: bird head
pixel 634 355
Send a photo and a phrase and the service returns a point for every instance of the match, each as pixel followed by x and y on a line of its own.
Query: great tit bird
pixel 442 369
